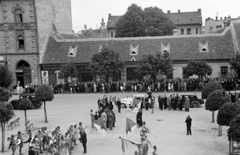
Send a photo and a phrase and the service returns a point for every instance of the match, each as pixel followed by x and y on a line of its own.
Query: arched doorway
pixel 23 73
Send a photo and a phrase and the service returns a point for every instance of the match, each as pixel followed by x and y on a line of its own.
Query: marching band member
pixel 12 144
pixel 75 134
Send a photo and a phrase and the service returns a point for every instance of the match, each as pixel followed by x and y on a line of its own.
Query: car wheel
pixel 195 104
pixel 123 105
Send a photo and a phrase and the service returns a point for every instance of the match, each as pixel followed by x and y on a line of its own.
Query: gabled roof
pixel 220 47
pixel 112 20
pixel 185 18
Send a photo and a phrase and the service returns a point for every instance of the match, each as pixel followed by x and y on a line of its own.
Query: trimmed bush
pixel 216 99
pixel 4 95
pixel 234 130
pixel 226 113
pixel 44 93
pixel 210 87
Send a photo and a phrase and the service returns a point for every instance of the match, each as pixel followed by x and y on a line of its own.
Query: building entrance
pixel 23 73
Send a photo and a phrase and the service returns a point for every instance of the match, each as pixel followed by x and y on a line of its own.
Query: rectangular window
pixel 18 16
pixel 20 40
pixel 224 71
pixel 188 31
pixel 182 31
pixel 196 30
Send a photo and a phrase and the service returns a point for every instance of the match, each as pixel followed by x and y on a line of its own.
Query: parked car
pixel 127 102
pixel 194 100
pixel 36 104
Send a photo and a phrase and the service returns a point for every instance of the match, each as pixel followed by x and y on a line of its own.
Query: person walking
pixel 12 145
pixel 187 104
pixel 92 117
pixel 119 105
pixel 169 98
pixel 160 102
pixel 110 119
pixel 84 141
pixel 165 101
pixel 189 124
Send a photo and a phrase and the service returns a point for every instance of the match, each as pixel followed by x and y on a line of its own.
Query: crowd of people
pixel 54 142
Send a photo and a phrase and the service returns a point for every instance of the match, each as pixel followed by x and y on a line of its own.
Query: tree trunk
pixel 230 147
pixel 3 135
pixel 25 113
pixel 219 130
pixel 212 116
pixel 45 112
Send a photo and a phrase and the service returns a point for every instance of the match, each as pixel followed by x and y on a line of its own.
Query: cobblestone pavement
pixel 169 126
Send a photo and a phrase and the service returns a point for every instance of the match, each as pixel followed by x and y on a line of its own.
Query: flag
pixel 130 127
pixel 98 125
pixel 135 103
pixel 135 110
pixel 124 143
pixel 114 99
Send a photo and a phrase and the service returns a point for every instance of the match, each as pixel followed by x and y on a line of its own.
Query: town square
pixel 119 77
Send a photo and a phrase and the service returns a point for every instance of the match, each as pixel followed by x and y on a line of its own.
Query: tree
pixel 4 95
pixel 68 70
pixel 148 22
pixel 6 113
pixel 234 130
pixel 199 68
pixel 210 87
pixel 25 104
pixel 5 77
pixel 215 100
pixel 227 112
pixel 235 64
pixel 131 24
pixel 153 65
pixel 44 93
pixel 106 63
pixel 157 22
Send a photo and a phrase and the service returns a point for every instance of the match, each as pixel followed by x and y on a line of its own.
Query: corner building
pixel 216 49
pixel 24 28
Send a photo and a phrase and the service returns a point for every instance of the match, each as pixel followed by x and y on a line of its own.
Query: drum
pixel 25 138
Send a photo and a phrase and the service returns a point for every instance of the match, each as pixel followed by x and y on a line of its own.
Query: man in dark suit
pixel 119 105
pixel 189 124
pixel 84 141
pixel 160 102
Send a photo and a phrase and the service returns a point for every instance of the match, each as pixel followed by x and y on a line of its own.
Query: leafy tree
pixel 148 22
pixel 210 87
pixel 68 70
pixel 6 113
pixel 157 22
pixel 234 130
pixel 215 100
pixel 199 68
pixel 153 65
pixel 106 62
pixel 4 95
pixel 227 112
pixel 235 64
pixel 44 93
pixel 25 104
pixel 131 24
pixel 5 76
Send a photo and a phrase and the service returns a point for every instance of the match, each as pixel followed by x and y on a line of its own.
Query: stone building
pixel 216 49
pixel 24 29
pixel 188 23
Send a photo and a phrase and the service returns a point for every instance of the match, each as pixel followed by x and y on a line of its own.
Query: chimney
pixel 85 27
pixel 168 11
pixel 199 10
pixel 216 17
pixel 175 32
pixel 178 11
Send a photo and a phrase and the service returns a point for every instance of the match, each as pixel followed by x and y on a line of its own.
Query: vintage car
pixel 194 100
pixel 127 102
pixel 36 104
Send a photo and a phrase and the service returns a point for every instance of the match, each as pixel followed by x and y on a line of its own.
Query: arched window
pixel 18 16
pixel 20 42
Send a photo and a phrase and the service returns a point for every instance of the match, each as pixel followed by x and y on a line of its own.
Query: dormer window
pixel 133 53
pixel 204 49
pixel 18 16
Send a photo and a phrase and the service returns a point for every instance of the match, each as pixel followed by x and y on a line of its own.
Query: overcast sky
pixel 90 12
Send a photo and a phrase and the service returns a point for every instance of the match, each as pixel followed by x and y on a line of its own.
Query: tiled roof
pixel 183 18
pixel 237 33
pixel 112 20
pixel 95 33
pixel 220 30
pixel 181 47
pixel 69 36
